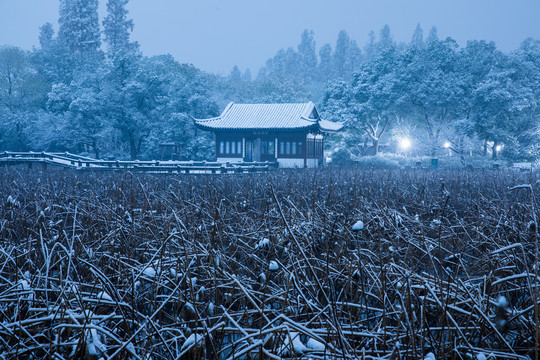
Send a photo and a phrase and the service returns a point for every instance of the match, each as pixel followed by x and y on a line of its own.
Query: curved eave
pixel 329 126
pixel 203 126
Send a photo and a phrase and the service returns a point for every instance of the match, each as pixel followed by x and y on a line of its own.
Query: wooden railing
pixel 68 160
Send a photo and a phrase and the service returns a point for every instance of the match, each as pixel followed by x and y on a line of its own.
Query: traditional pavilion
pixel 290 134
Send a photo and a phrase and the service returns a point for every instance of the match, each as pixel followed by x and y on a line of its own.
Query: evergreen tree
pixel 340 54
pixel 79 26
pixel 432 36
pixel 247 75
pixel 385 39
pixel 370 49
pixel 292 63
pixel 235 74
pixel 234 84
pixel 417 40
pixel 46 33
pixel 307 55
pixel 326 65
pixel 354 58
pixel 22 94
pixel 117 28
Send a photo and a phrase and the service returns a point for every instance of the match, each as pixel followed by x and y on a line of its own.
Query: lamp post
pixel 447 145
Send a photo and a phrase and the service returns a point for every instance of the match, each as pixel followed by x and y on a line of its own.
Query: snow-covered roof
pixel 267 117
pixel 329 126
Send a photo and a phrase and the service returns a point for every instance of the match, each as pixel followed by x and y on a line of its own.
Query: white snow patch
pixel 430 356
pixel 189 307
pixel 298 346
pixel 211 308
pixel 359 225
pixel 481 356
pixel 315 345
pixel 27 289
pixel 273 266
pixel 102 295
pixel 94 346
pixel 292 342
pixel 72 289
pixel 264 242
pixel 11 201
pixel 192 340
pixel 150 272
pixel 131 348
pixel 24 284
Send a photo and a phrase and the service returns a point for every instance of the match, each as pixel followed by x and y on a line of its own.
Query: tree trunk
pixel 132 146
pixel 376 147
pixel 96 150
pixel 20 140
pixel 494 151
pixel 435 142
pixel 461 149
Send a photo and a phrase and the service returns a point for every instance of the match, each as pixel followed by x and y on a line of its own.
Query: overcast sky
pixel 215 35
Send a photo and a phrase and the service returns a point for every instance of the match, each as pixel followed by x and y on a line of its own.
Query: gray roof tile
pixel 267 117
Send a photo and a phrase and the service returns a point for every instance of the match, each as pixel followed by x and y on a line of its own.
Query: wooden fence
pixel 78 162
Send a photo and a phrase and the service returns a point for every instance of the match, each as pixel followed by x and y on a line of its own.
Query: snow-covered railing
pixel 154 166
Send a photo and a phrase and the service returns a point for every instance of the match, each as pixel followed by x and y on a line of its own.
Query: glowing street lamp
pixel 447 145
pixel 405 144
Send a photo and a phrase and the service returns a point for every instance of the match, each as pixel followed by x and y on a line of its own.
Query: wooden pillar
pixel 217 145
pixel 322 150
pixel 305 148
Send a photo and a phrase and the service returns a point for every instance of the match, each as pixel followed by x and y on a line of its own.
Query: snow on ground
pixel 185 269
pixel 359 225
pixel 264 242
pixel 315 345
pixel 102 295
pixel 192 340
pixel 150 272
pixel 292 345
pixel 273 266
